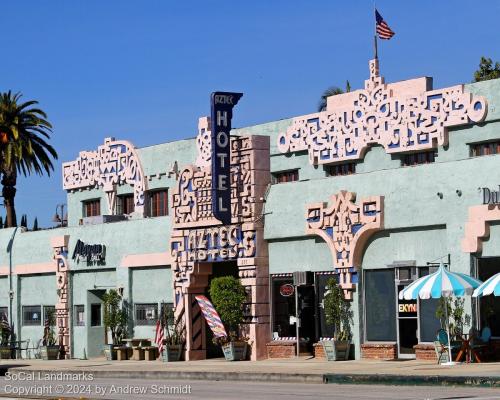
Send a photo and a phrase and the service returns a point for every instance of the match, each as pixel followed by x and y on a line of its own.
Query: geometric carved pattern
pixel 345 227
pixel 398 123
pixel 116 162
pixel 477 228
pixel 62 307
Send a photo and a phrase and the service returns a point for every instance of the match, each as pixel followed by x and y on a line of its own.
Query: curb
pixel 189 375
pixel 413 380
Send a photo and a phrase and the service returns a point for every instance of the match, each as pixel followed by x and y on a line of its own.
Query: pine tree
pixel 35 224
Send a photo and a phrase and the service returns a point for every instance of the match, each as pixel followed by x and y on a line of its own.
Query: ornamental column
pixel 60 249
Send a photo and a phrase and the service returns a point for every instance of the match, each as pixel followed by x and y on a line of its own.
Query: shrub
pixel 228 296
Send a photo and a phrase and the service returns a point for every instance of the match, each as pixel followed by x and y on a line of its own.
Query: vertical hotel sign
pixel 222 104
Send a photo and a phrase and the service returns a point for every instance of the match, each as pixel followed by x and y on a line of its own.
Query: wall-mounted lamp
pixel 440 195
pixel 458 192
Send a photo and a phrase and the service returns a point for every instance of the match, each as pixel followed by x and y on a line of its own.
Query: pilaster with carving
pixel 199 241
pixel 60 254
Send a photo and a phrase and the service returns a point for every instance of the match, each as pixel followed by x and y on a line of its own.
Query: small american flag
pixel 383 30
pixel 159 336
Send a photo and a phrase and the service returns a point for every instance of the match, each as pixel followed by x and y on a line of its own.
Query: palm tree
pixel 331 91
pixel 23 149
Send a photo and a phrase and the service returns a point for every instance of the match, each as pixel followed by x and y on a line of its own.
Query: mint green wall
pixel 418 224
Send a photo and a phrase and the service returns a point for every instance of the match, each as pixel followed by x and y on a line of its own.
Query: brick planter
pixel 425 352
pixel 379 351
pixel 281 349
pixel 319 351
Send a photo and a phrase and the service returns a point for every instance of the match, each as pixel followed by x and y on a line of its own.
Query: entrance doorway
pixel 406 314
pixel 227 268
pixel 96 335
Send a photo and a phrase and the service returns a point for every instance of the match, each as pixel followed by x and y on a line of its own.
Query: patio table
pixel 467 350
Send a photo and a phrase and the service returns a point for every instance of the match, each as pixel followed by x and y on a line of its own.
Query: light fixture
pixel 458 192
pixel 440 195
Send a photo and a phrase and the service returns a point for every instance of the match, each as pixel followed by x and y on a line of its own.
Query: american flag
pixel 159 335
pixel 383 30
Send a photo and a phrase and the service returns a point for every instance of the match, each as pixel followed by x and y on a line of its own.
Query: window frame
pixel 125 204
pixel 419 158
pixel 285 176
pixel 342 169
pixel 155 209
pixel 5 311
pixel 479 149
pixel 77 308
pixel 35 309
pixel 143 307
pixel 90 204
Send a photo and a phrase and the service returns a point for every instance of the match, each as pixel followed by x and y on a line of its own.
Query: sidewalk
pixel 303 370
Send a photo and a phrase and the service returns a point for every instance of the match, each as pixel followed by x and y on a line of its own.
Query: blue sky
pixel 144 70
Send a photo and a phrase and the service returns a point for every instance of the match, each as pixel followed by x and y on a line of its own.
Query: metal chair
pixel 22 347
pixel 441 346
pixel 35 349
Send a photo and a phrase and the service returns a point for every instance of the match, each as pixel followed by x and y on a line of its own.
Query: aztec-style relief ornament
pixel 204 143
pixel 345 226
pixel 376 116
pixel 60 256
pixel 114 163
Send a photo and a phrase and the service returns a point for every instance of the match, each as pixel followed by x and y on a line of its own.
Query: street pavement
pixel 182 389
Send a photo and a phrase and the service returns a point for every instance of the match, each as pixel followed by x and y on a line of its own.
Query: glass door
pixel 407 323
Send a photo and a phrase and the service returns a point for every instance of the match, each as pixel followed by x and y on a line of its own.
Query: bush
pixel 228 296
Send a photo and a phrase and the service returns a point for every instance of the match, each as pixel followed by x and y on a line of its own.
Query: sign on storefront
pixel 287 290
pixel 89 252
pixel 491 196
pixel 407 308
pixel 222 104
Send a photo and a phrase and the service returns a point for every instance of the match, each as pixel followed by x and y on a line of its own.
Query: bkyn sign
pixel 89 252
pixel 222 104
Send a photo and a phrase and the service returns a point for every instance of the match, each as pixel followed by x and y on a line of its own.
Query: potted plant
pixel 228 296
pixel 338 313
pixel 49 349
pixel 115 321
pixel 175 336
pixel 5 331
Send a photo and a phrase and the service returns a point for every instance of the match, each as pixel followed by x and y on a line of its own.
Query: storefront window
pixel 489 306
pixel 380 305
pixel 32 315
pixel 324 330
pixel 429 324
pixel 283 307
pixel 4 313
pixel 80 315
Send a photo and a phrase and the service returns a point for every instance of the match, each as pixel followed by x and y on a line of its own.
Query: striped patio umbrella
pixel 441 283
pixel 490 286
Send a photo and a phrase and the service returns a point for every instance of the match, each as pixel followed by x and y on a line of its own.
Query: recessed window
pixel 92 208
pixel 484 149
pixel 125 204
pixel 79 315
pixel 285 176
pixel 95 314
pixel 158 203
pixel 146 314
pixel 423 157
pixel 341 169
pixel 32 315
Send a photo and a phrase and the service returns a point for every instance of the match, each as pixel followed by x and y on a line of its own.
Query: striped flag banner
pixel 159 336
pixel 211 316
pixel 383 30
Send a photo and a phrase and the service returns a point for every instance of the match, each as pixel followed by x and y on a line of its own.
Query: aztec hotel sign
pixel 222 104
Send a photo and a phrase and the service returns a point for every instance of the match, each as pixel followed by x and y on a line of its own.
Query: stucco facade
pixel 390 215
